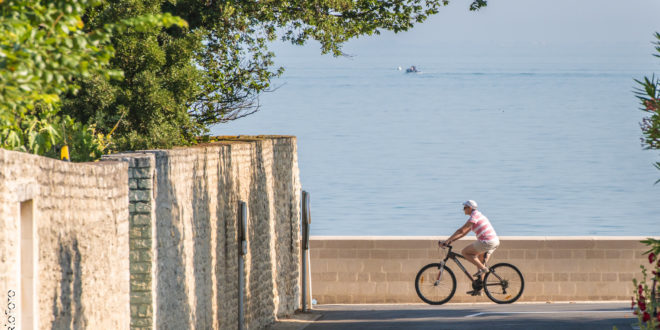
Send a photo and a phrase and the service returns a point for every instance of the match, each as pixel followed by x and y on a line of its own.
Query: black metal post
pixel 242 251
pixel 306 221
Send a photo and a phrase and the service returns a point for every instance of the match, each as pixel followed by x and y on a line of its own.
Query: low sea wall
pixel 355 270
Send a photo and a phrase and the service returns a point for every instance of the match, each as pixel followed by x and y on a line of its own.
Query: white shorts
pixel 486 246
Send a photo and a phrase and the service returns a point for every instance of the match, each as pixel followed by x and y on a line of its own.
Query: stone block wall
pixel 192 219
pixel 149 239
pixel 382 269
pixel 141 170
pixel 80 262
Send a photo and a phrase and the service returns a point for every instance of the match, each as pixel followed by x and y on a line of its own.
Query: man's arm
pixel 464 230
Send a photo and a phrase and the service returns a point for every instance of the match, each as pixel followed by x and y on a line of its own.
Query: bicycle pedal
pixel 474 293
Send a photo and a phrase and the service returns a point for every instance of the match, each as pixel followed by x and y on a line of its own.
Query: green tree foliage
pixel 649 95
pixel 34 69
pixel 180 82
pixel 149 107
pixel 43 54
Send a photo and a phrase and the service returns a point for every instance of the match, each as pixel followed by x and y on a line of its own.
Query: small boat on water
pixel 412 69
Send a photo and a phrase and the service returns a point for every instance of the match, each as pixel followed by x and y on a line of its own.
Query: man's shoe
pixel 474 293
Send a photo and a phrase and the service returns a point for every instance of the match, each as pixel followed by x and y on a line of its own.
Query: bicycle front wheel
pixel 435 284
pixel 504 283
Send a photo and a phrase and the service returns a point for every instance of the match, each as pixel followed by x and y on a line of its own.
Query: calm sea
pixel 546 140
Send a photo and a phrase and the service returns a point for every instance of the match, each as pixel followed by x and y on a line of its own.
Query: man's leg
pixel 484 260
pixel 473 256
pixel 485 257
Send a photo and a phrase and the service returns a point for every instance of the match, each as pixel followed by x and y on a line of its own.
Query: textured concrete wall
pixel 383 269
pixel 80 213
pixel 192 216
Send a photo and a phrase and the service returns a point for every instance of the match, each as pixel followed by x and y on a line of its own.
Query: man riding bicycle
pixel 487 241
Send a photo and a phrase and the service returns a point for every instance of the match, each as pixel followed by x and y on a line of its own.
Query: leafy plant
pixel 648 93
pixel 44 53
pixel 646 301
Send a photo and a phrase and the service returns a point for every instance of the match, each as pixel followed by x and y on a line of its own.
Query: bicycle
pixel 436 284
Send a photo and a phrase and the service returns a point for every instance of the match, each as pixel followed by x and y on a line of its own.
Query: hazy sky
pixel 574 23
pixel 545 21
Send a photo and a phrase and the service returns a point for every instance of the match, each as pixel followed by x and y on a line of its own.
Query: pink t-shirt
pixel 482 227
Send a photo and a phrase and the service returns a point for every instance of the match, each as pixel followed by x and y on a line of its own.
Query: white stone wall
pixel 80 213
pixel 197 195
pixel 148 239
pixel 192 234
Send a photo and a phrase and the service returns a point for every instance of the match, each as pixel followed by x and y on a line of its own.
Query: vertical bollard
pixel 306 221
pixel 242 251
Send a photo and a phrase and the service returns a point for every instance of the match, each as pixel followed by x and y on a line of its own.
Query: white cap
pixel 471 204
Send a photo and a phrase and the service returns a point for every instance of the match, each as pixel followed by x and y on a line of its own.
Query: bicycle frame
pixel 453 256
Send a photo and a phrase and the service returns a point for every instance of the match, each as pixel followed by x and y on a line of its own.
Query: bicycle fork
pixel 442 269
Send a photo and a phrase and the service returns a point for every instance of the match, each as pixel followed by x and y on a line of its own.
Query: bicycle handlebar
pixel 444 245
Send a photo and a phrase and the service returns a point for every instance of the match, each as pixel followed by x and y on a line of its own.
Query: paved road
pixel 475 316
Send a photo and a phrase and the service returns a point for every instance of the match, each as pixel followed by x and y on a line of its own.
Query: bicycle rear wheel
pixel 432 290
pixel 504 283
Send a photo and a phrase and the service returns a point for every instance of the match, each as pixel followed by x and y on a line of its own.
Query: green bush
pixel 45 53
